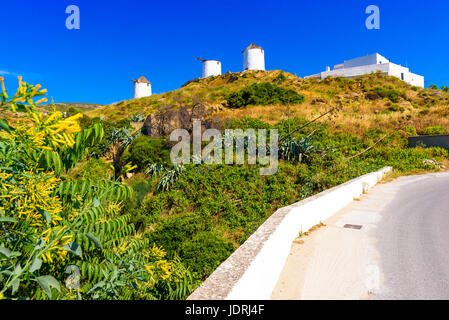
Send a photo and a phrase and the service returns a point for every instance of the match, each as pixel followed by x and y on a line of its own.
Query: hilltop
pixel 69 108
pixel 366 102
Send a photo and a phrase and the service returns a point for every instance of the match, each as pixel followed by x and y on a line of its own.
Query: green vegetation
pixel 434 130
pixel 73 230
pixel 145 150
pixel 263 94
pixel 381 92
pixel 210 210
pixel 138 227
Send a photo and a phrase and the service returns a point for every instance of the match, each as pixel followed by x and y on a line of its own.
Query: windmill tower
pixel 210 67
pixel 253 58
pixel 142 88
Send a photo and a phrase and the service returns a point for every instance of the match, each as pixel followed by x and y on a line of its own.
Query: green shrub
pixel 395 108
pixel 174 230
pixel 424 111
pixel 410 130
pixel 95 169
pixel 390 94
pixel 145 150
pixel 205 251
pixel 141 188
pixel 263 94
pixel 71 111
pixel 279 78
pixel 429 131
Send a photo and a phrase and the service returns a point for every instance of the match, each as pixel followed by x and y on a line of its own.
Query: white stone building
pixel 210 67
pixel 253 58
pixel 370 64
pixel 142 88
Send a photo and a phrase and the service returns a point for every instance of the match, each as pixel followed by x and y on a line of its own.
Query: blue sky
pixel 122 40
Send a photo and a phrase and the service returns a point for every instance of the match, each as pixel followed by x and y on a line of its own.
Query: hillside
pixel 187 219
pixel 69 108
pixel 202 213
pixel 366 102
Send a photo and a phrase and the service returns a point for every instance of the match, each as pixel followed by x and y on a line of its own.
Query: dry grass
pixel 419 108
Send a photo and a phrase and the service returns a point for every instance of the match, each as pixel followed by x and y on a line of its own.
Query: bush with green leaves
pixel 72 231
pixel 214 250
pixel 145 150
pixel 263 94
pixel 96 169
pixel 209 207
pixel 382 92
pixel 434 130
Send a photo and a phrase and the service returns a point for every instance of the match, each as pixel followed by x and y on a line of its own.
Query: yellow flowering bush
pixel 48 225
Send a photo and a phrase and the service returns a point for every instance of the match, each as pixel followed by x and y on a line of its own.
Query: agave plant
pixel 293 149
pixel 137 118
pixel 169 178
pixel 119 140
pixel 154 169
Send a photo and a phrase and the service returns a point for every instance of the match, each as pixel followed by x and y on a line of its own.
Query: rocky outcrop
pixel 169 118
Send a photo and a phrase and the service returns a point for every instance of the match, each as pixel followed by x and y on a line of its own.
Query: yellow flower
pixel 41 100
pixel 37 87
pixel 3 84
pixel 149 268
pixel 2 296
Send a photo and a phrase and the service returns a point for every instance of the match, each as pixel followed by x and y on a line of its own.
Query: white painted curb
pixel 252 271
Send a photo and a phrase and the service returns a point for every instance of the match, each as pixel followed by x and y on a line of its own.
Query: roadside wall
pixel 252 271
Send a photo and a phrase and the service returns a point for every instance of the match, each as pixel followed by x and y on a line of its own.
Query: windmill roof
pixel 252 46
pixel 142 79
pixel 203 60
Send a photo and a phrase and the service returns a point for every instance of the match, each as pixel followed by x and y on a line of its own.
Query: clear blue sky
pixel 122 40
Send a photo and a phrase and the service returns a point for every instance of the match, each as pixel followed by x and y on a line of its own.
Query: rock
pixel 169 118
pixel 434 163
pixel 191 81
pixel 318 100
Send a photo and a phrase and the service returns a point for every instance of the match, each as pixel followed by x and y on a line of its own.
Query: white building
pixel 370 64
pixel 210 67
pixel 253 58
pixel 142 88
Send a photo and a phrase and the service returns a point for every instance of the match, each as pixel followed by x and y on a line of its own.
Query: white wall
pixel 390 69
pixel 415 80
pixel 254 59
pixel 356 71
pixel 142 90
pixel 253 270
pixel 404 73
pixel 361 61
pixel 374 58
pixel 211 68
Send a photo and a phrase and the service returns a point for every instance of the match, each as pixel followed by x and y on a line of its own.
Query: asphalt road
pixel 401 250
pixel 413 240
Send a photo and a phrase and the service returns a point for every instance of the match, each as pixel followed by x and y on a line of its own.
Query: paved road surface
pixel 401 251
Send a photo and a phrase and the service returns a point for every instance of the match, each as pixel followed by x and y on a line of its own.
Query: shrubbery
pixel 435 130
pixel 263 94
pixel 94 169
pixel 145 150
pixel 52 227
pixel 380 92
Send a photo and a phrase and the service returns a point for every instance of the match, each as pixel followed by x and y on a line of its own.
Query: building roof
pixel 252 46
pixel 204 60
pixel 142 79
